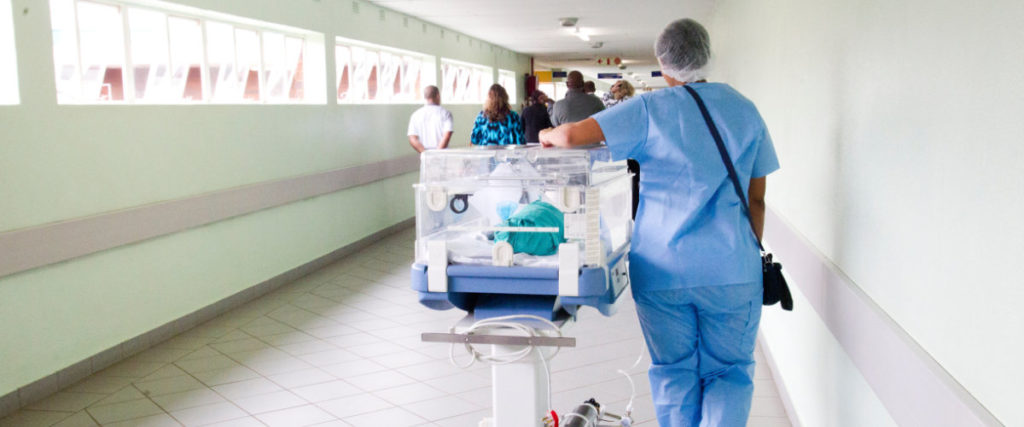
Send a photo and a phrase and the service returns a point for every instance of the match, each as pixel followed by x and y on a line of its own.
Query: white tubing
pixel 506 322
pixel 632 385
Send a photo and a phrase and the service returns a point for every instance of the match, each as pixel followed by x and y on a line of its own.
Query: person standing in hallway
pixel 497 124
pixel 589 87
pixel 430 126
pixel 695 265
pixel 620 91
pixel 535 116
pixel 576 105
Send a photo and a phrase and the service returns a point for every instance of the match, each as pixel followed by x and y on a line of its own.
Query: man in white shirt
pixel 430 127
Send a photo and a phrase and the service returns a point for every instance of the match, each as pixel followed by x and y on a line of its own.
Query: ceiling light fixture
pixel 582 36
pixel 596 45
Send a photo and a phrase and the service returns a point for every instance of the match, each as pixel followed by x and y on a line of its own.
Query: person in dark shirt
pixel 535 116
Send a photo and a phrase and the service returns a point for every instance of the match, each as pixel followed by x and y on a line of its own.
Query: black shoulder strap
pixel 725 156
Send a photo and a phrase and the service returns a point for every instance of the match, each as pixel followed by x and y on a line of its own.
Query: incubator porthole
pixel 459 203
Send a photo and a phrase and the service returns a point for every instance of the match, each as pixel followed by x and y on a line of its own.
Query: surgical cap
pixel 683 49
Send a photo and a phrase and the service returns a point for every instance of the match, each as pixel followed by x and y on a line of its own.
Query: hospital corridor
pixel 475 213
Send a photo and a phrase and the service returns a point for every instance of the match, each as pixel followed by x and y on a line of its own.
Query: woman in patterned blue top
pixel 497 124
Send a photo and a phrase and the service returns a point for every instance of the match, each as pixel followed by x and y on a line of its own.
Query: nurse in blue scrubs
pixel 695 265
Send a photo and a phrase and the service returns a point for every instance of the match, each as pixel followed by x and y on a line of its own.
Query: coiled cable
pixel 507 323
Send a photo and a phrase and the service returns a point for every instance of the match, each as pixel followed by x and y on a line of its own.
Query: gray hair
pixel 683 50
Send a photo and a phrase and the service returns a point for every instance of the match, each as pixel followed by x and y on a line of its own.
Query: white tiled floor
pixel 341 348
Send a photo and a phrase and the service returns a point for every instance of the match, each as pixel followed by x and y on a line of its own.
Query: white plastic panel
pixel 568 269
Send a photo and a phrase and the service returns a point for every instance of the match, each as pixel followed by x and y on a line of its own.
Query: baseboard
pixel 44 387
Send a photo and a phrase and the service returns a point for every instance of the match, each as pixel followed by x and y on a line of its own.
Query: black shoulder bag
pixel 775 287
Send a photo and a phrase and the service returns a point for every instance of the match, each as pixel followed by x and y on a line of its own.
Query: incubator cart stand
pixel 463 198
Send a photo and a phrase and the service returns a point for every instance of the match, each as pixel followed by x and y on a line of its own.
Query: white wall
pixel 822 382
pixel 898 126
pixel 61 162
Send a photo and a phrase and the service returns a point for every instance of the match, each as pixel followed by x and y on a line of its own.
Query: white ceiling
pixel 627 28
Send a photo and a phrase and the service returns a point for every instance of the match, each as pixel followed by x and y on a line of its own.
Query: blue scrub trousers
pixel 701 342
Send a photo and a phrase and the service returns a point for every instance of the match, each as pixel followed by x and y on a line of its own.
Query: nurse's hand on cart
pixel 576 134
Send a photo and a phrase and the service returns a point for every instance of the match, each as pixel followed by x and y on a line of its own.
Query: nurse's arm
pixel 575 134
pixel 756 198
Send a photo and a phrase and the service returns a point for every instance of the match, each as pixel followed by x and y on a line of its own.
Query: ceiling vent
pixel 568 22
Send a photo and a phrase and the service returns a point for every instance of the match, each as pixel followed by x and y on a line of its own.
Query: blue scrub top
pixel 690 227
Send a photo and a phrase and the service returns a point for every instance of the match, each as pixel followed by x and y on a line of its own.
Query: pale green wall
pixel 898 126
pixel 65 162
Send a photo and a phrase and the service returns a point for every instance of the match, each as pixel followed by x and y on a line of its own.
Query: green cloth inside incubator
pixel 536 214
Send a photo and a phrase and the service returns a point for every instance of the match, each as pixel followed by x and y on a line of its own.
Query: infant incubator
pixel 522 230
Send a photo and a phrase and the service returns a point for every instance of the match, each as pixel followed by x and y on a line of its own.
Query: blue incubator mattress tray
pixel 488 291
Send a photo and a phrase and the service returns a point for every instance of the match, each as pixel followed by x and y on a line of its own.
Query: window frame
pixel 428 65
pixel 513 94
pixel 312 55
pixel 9 85
pixel 483 69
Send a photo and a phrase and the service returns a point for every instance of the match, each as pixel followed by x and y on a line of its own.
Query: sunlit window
pixel 178 54
pixel 367 73
pixel 507 79
pixel 8 62
pixel 151 59
pixel 282 62
pixel 465 83
pixel 555 91
pixel 88 51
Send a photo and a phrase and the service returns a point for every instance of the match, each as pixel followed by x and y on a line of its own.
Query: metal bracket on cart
pixel 499 339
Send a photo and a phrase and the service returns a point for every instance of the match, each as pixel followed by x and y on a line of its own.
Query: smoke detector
pixel 568 22
pixel 596 45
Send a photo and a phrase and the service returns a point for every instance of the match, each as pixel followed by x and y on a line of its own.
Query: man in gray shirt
pixel 576 105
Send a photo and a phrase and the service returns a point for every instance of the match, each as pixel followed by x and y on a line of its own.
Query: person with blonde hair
pixel 497 124
pixel 620 91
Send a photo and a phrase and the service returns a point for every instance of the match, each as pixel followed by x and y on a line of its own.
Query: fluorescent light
pixel 582 36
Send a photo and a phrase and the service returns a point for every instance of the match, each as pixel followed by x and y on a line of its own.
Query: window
pixel 176 54
pixel 556 91
pixel 368 73
pixel 465 83
pixel 8 57
pixel 507 79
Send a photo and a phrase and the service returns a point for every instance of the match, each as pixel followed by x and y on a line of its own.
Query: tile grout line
pixel 292 306
pixel 53 383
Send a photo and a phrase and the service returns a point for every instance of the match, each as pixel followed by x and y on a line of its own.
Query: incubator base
pixel 499 291
pixel 520 390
